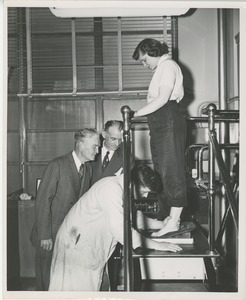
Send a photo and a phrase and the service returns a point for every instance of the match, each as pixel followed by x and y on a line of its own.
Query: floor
pixel 170 286
pixel 28 284
pixel 226 285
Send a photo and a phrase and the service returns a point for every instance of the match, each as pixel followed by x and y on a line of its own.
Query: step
pixel 175 268
pixel 200 248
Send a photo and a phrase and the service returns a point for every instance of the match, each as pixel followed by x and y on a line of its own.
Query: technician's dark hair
pixel 152 47
pixel 142 174
pixel 83 133
pixel 111 123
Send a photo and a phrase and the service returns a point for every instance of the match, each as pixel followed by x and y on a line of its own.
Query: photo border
pixel 242 214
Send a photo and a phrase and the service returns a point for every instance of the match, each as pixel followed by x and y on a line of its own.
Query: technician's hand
pixel 170 247
pixel 46 244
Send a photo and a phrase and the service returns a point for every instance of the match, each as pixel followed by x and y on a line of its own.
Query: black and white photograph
pixel 123 149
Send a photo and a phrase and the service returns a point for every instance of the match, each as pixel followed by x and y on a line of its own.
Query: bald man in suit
pixel 64 181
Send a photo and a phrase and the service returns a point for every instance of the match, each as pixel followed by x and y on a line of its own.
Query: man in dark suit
pixel 64 181
pixel 109 160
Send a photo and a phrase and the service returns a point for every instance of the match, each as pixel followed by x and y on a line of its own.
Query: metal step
pixel 172 268
pixel 199 248
pixel 194 262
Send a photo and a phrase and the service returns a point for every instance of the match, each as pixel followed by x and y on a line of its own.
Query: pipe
pixel 29 51
pixel 23 142
pixel 199 162
pixel 187 153
pixel 211 182
pixel 216 119
pixel 222 62
pixel 81 93
pixel 223 127
pixel 21 17
pixel 200 156
pixel 127 250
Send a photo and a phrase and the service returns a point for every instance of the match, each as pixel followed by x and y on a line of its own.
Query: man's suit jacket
pixel 60 188
pixel 115 163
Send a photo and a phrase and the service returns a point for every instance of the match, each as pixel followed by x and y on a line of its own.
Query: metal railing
pixel 214 149
pixel 127 249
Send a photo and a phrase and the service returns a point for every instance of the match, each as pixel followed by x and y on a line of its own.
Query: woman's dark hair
pixel 152 47
pixel 142 174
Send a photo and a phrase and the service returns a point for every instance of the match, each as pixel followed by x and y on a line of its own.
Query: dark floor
pixel 170 286
pixel 28 284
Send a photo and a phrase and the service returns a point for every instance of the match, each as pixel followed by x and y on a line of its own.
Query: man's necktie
pixel 105 161
pixel 81 171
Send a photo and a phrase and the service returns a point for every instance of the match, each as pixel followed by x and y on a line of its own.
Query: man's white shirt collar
pixel 76 160
pixel 104 151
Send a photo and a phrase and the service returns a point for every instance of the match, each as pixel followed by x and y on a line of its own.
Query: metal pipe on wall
pixel 23 142
pixel 29 51
pixel 211 181
pixel 223 127
pixel 222 59
pixel 82 93
pixel 21 16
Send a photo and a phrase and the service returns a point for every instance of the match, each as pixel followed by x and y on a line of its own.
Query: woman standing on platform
pixel 167 128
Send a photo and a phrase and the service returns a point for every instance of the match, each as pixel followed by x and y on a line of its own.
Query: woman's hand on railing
pixel 132 114
pixel 127 113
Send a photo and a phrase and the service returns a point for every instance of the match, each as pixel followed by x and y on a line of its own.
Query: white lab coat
pixel 88 236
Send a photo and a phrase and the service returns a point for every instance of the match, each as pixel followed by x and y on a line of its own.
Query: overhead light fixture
pixel 117 9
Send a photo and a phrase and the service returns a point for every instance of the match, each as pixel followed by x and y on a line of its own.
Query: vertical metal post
pixel 23 143
pixel 222 58
pixel 211 183
pixel 200 162
pixel 223 126
pixel 127 249
pixel 74 57
pixel 21 86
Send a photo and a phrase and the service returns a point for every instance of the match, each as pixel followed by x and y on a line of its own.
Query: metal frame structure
pixel 214 148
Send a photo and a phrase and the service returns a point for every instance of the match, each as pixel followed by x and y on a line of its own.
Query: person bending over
pixel 91 230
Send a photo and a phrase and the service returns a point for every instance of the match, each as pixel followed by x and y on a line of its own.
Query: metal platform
pixel 194 262
pixel 199 248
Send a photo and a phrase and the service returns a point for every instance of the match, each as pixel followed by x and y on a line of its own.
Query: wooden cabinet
pixel 13 258
pixel 26 217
